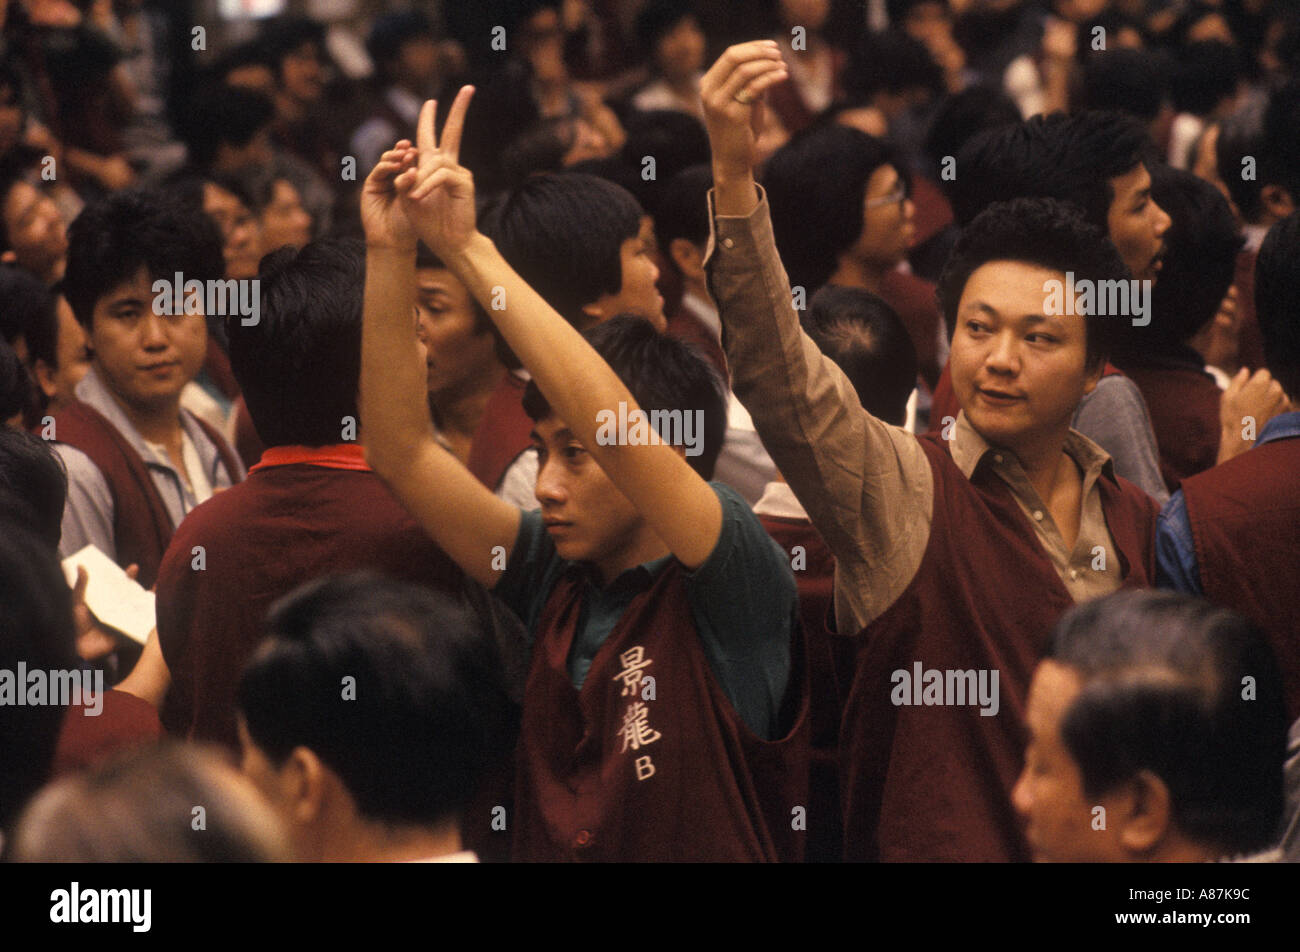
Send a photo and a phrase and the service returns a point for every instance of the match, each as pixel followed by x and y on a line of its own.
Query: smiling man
pixel 956 554
pixel 137 463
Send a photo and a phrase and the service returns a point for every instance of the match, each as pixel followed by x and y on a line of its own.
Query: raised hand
pixel 438 193
pixel 732 92
pixel 382 215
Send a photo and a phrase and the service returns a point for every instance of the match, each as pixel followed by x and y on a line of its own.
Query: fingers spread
pixel 451 132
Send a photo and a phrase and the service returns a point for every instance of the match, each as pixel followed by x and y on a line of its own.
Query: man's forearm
pixel 392 382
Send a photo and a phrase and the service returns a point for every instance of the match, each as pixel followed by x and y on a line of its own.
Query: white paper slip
pixel 116 599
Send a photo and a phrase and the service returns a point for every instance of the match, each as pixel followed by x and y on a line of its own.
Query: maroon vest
pixel 933 783
pixel 610 773
pixel 502 433
pixel 1245 519
pixel 141 525
pixel 830 669
pixel 1184 406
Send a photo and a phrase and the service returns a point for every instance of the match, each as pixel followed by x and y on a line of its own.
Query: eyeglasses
pixel 896 197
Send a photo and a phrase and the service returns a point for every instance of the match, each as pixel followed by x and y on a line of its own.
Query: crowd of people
pixel 629 430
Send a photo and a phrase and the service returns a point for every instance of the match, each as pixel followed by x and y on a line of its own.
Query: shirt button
pixel 1074 573
pixel 997 457
pixel 1038 515
pixel 728 242
pixel 583 838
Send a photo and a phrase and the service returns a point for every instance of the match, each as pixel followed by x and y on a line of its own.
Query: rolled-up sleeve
pixel 866 485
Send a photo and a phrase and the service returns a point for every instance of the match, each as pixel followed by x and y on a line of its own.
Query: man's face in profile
pixel 1136 224
pixel 1018 372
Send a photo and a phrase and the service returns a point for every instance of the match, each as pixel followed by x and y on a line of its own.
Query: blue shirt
pixel 742 599
pixel 1175 551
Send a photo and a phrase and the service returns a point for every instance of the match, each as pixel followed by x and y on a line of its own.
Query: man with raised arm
pixel 953 559
pixel 638 580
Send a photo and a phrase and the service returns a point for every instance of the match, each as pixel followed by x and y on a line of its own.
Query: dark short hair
pixel 674 139
pixel 429 710
pixel 1282 138
pixel 284 34
pixel 539 148
pixel 1277 278
pixel 816 216
pixel 684 208
pixel 15 384
pixel 870 343
pixel 564 235
pixel 1135 82
pixel 1207 72
pixel 391 32
pixel 224 115
pixel 1071 158
pixel 115 237
pixel 657 19
pixel 37 629
pixel 1163 677
pixel 28 312
pixel 960 116
pixel 298 367
pixel 1200 260
pixel 1242 135
pixel 662 373
pixel 1038 231
pixel 891 61
pixel 33 483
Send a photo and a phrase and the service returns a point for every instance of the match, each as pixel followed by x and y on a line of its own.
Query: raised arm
pixel 457 511
pixel 675 501
pixel 866 485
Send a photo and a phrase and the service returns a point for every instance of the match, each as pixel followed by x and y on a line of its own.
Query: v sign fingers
pixel 455 127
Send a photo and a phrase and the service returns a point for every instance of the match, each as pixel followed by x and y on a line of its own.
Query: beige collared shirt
pixel 866 485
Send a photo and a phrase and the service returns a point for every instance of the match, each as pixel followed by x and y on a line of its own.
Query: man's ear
pixel 1094 377
pixel 1277 201
pixel 687 256
pixel 1150 816
pixel 44 374
pixel 303 779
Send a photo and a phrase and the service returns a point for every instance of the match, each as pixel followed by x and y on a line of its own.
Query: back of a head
pixel 36 630
pixel 1241 136
pixel 299 366
pixel 16 396
pixel 684 207
pixel 429 709
pixel 815 186
pixel 1200 260
pixel 1135 82
pixel 963 115
pixel 1208 71
pixel 1071 158
pixel 1038 231
pixel 139 808
pixel 663 373
pixel 27 311
pixel 870 343
pixel 1277 283
pixel 222 114
pixel 33 484
pixel 1282 138
pixel 1189 691
pixel 389 33
pixel 563 234
pixel 113 238
pixel 890 62
pixel 673 139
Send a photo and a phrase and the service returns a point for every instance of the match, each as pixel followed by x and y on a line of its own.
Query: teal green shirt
pixel 743 601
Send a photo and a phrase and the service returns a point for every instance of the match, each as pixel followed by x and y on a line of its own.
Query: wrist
pixel 462 258
pixel 394 248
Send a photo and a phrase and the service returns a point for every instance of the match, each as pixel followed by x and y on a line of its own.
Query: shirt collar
pixel 339 456
pixel 1284 426
pixel 93 392
pixel 637 578
pixel 969 449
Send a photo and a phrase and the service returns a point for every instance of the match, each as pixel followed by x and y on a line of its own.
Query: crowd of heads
pixel 987 148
